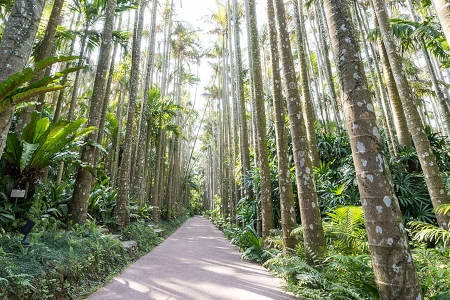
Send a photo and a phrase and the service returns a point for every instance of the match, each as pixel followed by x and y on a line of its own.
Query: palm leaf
pixel 426 232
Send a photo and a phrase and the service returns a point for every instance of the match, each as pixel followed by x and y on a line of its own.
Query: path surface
pixel 196 262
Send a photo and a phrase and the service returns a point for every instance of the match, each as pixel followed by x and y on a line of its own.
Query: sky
pixel 193 11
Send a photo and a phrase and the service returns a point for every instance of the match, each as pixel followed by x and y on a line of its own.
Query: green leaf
pixel 41 127
pixel 52 60
pixel 7 216
pixel 14 82
pixel 28 131
pixel 13 150
pixel 21 97
pixel 27 154
pixel 57 139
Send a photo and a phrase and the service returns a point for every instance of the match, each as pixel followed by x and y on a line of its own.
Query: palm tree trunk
pixel 396 104
pixel 380 112
pixel 44 52
pixel 16 45
pixel 306 96
pixel 245 154
pixel 288 216
pixel 443 10
pixel 107 96
pixel 391 257
pixel 83 182
pixel 313 235
pixel 266 194
pixel 433 178
pixel 76 83
pixel 121 211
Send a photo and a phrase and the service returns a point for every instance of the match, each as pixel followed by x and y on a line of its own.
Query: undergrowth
pixel 69 264
pixel 347 270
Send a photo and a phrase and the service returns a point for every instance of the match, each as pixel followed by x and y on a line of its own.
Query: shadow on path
pixel 196 262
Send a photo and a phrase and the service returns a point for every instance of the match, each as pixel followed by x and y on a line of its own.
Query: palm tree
pixel 443 10
pixel 260 118
pixel 288 217
pixel 433 178
pixel 44 51
pixel 143 143
pixel 391 257
pixel 306 95
pixel 121 211
pixel 83 182
pixel 16 45
pixel 313 234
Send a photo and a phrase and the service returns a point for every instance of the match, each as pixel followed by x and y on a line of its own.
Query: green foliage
pixel 101 203
pixel 328 281
pixel 59 264
pixel 345 230
pixel 69 264
pixel 433 270
pixel 425 232
pixel 12 91
pixel 41 144
pixel 143 234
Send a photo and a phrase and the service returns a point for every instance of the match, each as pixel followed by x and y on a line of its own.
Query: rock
pixel 129 245
pixel 115 236
pixel 158 231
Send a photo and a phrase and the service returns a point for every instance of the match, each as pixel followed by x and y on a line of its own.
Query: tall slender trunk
pixel 396 104
pixel 142 142
pixel 121 211
pixel 433 178
pixel 391 257
pixel 443 10
pixel 235 121
pixel 245 155
pixel 306 96
pixel 83 182
pixel 16 45
pixel 288 217
pixel 76 83
pixel 107 96
pixel 44 52
pixel 313 235
pixel 266 194
pixel 379 106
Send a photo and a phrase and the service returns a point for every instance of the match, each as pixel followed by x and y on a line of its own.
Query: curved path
pixel 196 262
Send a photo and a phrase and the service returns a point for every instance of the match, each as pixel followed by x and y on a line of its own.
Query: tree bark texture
pixel 433 178
pixel 15 48
pixel 83 182
pixel 121 211
pixel 260 116
pixel 391 257
pixel 313 235
pixel 288 216
pixel 45 51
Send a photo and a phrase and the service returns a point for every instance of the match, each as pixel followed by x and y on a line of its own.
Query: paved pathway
pixel 196 262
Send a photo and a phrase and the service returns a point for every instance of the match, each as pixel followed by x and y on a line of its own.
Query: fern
pixel 346 229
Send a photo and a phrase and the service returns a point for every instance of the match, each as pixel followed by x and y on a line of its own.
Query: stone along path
pixel 196 262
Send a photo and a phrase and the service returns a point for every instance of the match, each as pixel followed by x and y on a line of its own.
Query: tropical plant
pixel 12 92
pixel 40 144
